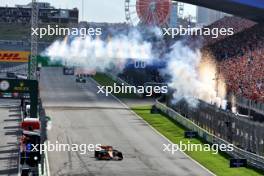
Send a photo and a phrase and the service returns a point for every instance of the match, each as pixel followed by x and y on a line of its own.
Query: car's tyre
pixel 96 153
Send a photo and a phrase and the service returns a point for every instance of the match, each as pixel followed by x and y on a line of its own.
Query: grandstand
pixel 237 23
pixel 15 29
pixel 15 22
pixel 47 14
pixel 240 60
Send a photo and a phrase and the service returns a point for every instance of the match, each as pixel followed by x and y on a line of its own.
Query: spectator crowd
pixel 236 23
pixel 241 57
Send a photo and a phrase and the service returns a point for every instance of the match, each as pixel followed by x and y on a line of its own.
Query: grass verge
pixel 217 163
pixel 105 80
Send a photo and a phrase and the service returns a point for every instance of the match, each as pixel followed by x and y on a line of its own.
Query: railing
pixel 253 159
pixel 246 103
pixel 19 68
pixel 21 42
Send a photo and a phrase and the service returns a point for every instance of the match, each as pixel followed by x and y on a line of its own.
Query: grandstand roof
pixel 250 9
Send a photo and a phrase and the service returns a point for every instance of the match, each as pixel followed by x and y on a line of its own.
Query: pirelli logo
pixel 14 56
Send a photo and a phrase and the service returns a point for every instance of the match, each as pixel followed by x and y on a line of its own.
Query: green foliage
pixel 46 62
pixel 217 163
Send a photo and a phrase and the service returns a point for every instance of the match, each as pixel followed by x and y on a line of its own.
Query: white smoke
pixel 98 54
pixel 186 80
pixel 182 67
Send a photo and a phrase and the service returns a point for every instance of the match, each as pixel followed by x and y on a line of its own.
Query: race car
pixel 108 153
pixel 80 80
pixel 68 70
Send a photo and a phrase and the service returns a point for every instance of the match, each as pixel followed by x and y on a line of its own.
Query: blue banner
pixel 254 3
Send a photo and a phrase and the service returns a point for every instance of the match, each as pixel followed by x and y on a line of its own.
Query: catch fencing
pixel 254 160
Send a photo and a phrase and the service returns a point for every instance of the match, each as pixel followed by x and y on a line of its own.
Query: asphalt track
pixel 81 116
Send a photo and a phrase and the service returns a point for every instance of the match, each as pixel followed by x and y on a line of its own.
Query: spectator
pixel 241 57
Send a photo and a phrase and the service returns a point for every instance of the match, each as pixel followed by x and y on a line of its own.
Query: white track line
pixel 155 130
pixel 47 162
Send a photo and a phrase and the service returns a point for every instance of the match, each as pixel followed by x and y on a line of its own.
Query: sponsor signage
pixel 14 56
pixel 238 162
pixel 4 85
pixel 20 88
pixel 14 95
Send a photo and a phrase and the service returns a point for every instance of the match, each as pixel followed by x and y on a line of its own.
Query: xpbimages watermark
pixel 58 147
pixel 128 89
pixel 195 31
pixel 62 31
pixel 183 147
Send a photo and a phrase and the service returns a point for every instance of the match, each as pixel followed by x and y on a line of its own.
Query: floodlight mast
pixel 34 42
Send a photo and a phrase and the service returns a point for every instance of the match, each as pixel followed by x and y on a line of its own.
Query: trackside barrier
pixel 44 167
pixel 252 159
pixel 246 103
